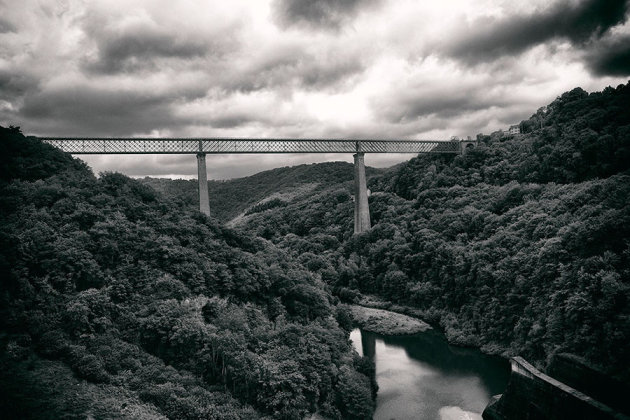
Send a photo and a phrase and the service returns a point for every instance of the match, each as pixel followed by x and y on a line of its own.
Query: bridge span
pixel 213 145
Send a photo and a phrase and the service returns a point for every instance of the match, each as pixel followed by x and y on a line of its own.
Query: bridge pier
pixel 361 206
pixel 202 176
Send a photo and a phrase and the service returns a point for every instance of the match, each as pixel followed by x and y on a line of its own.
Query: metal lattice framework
pixel 97 146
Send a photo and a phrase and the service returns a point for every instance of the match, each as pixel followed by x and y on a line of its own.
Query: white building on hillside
pixel 514 129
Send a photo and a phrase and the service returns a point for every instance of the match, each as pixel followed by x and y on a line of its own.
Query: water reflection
pixel 422 377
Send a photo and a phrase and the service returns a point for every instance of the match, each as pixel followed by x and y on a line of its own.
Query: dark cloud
pixel 293 68
pixel 139 47
pixel 579 22
pixel 323 14
pixel 14 84
pixel 611 57
pixel 6 26
pixel 86 110
pixel 318 74
pixel 304 70
pixel 409 103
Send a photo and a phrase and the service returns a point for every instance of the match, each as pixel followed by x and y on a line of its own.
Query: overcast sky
pixel 296 68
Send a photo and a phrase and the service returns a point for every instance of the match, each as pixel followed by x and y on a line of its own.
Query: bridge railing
pixel 84 145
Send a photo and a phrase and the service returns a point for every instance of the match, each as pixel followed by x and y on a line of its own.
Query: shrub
pixel 91 368
pixel 53 344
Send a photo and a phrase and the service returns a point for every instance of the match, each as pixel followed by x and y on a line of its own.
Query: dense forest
pixel 117 302
pixel 521 246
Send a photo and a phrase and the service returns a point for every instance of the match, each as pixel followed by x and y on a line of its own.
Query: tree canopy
pixel 106 280
pixel 521 246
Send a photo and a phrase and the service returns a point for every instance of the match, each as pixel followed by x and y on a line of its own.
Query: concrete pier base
pixel 361 207
pixel 202 176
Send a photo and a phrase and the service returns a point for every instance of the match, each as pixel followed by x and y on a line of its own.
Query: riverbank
pixel 386 322
pixel 375 302
pixel 454 336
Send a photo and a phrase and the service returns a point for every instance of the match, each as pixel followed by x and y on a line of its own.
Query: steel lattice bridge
pixel 209 145
pixel 81 145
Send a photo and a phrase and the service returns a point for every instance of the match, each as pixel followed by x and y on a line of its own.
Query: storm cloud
pixel 140 49
pixel 578 22
pixel 611 56
pixel 15 83
pixel 439 100
pixel 102 111
pixel 124 44
pixel 326 14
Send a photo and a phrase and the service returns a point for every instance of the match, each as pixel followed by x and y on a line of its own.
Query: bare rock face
pixel 385 322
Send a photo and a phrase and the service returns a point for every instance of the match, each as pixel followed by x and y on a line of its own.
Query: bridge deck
pixel 99 146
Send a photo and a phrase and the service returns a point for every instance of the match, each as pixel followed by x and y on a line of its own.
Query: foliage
pixel 229 198
pixel 154 302
pixel 27 159
pixel 520 246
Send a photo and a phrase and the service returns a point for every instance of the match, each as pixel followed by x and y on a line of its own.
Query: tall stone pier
pixel 202 176
pixel 361 207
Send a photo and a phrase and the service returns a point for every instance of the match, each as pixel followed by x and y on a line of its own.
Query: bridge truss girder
pixel 99 146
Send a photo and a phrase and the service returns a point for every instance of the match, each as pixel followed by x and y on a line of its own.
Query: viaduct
pixel 203 146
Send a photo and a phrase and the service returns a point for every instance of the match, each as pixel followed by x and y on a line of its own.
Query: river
pixel 423 377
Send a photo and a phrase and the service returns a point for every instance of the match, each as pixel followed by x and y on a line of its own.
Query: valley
pixel 120 286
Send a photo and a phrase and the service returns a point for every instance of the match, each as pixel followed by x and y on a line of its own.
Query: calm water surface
pixel 422 377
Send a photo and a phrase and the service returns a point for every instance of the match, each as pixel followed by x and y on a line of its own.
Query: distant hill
pixel 231 198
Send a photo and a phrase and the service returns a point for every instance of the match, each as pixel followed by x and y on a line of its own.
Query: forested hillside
pixel 117 302
pixel 520 246
pixel 119 299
